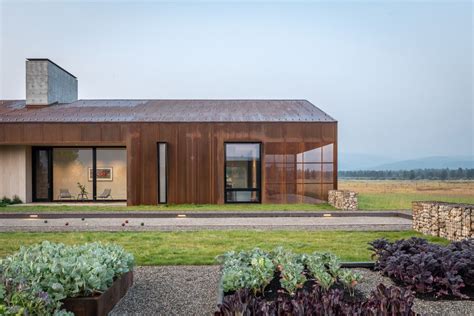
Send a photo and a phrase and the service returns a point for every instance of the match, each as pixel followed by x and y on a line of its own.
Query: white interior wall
pixel 15 172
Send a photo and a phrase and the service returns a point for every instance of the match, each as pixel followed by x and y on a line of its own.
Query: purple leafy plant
pixel 426 267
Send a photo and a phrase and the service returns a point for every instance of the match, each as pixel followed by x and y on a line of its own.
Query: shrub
pixel 425 267
pixel 6 200
pixel 16 200
pixel 317 301
pixel 56 271
pixel 255 269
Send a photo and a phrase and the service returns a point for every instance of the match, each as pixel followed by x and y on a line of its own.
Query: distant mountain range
pixel 349 162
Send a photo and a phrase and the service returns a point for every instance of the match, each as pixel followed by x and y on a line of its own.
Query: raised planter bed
pixel 350 265
pixel 100 305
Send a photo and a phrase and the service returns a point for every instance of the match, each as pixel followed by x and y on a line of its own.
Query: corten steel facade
pixel 294 152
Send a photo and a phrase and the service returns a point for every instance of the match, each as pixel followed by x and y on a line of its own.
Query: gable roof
pixel 166 111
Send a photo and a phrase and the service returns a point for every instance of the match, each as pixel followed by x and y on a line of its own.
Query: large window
pixel 298 172
pixel 71 172
pixel 80 174
pixel 242 173
pixel 111 174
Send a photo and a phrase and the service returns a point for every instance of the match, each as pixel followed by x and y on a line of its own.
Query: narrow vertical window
pixel 162 173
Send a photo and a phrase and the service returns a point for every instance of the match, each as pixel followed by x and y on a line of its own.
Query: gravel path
pixel 172 224
pixel 424 307
pixel 171 290
pixel 192 290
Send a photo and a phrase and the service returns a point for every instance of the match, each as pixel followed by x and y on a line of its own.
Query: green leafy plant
pixel 38 277
pixel 292 277
pixel 290 267
pixel 23 299
pixel 349 279
pixel 247 269
pixel 16 200
pixel 254 270
pixel 6 200
pixel 323 278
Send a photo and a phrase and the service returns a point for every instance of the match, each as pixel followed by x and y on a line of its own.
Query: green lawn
pixel 394 201
pixel 201 247
pixel 171 207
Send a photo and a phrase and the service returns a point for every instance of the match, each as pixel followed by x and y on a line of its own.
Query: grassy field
pixel 373 195
pixel 169 208
pixel 395 194
pixel 201 247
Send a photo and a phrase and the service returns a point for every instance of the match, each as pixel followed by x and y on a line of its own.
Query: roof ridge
pixel 171 99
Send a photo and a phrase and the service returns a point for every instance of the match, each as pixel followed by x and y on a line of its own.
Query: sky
pixel 398 76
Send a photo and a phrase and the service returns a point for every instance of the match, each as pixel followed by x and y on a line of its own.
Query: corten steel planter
pixel 100 305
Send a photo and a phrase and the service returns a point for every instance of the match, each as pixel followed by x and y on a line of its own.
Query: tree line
pixel 415 174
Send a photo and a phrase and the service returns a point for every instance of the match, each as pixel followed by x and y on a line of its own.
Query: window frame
pixel 259 174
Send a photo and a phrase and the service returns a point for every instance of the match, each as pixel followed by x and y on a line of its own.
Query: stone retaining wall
pixel 343 200
pixel 447 220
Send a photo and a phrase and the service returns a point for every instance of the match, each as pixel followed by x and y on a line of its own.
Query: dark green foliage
pixel 425 267
pixel 316 301
pixel 6 200
pixel 16 200
pixel 416 174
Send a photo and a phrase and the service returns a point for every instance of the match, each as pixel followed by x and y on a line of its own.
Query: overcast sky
pixel 398 76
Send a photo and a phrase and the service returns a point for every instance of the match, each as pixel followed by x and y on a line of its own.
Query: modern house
pixel 161 151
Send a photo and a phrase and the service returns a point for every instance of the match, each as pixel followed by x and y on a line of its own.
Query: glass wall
pixel 298 172
pixel 72 174
pixel 242 172
pixel 79 174
pixel 111 173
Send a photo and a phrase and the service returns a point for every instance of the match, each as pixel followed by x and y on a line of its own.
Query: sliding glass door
pixel 111 174
pixel 72 174
pixel 79 174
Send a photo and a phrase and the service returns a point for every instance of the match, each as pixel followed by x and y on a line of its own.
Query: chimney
pixel 48 83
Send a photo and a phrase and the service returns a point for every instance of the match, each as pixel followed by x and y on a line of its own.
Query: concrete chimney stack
pixel 48 83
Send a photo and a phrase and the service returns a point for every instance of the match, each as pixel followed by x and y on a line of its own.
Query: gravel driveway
pixel 192 290
pixel 171 290
pixel 364 223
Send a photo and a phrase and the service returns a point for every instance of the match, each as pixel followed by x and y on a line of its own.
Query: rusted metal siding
pixel 195 149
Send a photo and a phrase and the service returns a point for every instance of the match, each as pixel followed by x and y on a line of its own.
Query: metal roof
pixel 165 111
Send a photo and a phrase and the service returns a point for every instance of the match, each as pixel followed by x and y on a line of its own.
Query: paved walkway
pixel 192 223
